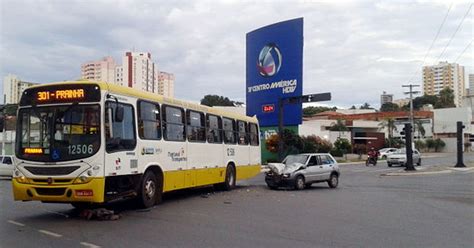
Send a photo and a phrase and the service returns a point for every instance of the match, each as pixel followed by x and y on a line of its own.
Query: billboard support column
pixel 281 105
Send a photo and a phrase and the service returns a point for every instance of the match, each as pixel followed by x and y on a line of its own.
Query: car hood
pixel 280 168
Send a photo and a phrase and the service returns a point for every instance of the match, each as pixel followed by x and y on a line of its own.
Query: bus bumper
pixel 93 191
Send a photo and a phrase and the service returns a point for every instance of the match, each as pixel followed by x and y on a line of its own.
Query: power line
pixel 433 42
pixel 465 49
pixel 455 32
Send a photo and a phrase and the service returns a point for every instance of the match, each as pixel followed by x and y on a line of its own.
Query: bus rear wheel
pixel 149 192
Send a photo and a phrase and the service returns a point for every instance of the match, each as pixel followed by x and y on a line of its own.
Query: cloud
pixel 354 49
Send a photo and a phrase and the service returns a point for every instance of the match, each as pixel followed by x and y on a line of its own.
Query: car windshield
pixel 58 133
pixel 291 159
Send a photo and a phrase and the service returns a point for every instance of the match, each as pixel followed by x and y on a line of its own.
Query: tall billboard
pixel 274 70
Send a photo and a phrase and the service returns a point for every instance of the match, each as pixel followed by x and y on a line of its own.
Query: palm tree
pixel 420 129
pixel 388 123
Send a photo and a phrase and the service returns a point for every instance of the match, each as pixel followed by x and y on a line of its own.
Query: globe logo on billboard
pixel 269 60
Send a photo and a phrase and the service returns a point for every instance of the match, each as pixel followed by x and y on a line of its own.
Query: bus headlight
pixel 19 177
pixel 85 177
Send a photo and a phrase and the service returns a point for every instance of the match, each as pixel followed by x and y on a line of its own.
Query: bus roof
pixel 155 97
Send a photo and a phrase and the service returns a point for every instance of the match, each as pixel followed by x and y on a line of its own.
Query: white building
pixel 438 77
pixel 444 125
pixel 471 84
pixel 138 72
pixel 100 70
pixel 166 84
pixel 13 87
pixel 386 98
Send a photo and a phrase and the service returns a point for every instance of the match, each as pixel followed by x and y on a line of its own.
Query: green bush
pixel 439 145
pixel 337 153
pixel 313 143
pixel 420 145
pixel 430 144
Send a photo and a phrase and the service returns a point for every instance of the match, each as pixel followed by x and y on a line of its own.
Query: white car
pixel 384 152
pixel 400 158
pixel 6 165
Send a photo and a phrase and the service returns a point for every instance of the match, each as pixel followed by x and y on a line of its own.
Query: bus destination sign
pixel 72 94
pixel 61 94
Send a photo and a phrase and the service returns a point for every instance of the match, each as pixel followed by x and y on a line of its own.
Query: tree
pixel 292 143
pixel 339 126
pixel 343 146
pixel 365 106
pixel 389 107
pixel 313 143
pixel 353 107
pixel 389 124
pixel 420 129
pixel 312 110
pixel 215 100
pixel 446 99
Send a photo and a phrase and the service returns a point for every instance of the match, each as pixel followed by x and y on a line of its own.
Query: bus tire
pixel 150 190
pixel 229 182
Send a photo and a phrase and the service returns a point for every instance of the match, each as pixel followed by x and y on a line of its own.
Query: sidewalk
pixel 431 170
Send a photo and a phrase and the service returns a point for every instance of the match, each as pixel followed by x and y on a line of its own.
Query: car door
pixel 312 169
pixel 326 167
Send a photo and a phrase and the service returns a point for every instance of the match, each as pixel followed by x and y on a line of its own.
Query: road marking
pixel 56 235
pixel 16 223
pixel 89 245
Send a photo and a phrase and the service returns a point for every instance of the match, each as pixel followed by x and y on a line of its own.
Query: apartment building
pixel 13 87
pixel 166 84
pixel 438 77
pixel 100 70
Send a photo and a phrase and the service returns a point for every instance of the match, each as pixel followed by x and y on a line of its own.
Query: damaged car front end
pixel 284 174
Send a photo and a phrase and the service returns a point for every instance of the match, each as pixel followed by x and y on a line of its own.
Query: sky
pixel 353 49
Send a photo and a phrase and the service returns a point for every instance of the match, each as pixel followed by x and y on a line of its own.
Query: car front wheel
pixel 299 183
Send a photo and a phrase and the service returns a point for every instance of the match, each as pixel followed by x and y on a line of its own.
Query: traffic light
pixel 403 133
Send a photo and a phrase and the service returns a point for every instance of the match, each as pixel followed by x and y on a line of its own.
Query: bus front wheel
pixel 230 179
pixel 150 191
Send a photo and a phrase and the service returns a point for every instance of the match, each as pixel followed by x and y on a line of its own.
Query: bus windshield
pixel 58 133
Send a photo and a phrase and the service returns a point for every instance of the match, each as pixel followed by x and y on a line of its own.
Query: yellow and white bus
pixel 91 142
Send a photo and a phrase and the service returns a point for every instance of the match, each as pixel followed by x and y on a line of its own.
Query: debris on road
pixel 99 214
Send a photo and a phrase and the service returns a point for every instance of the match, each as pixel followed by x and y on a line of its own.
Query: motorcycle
pixel 371 160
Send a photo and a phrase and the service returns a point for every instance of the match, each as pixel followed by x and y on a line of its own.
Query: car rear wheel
pixel 389 164
pixel 333 180
pixel 299 183
pixel 384 157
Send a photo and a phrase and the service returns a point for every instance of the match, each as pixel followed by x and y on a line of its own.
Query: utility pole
pixel 411 92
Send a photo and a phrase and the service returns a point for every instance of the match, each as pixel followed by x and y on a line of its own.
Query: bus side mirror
pixel 119 114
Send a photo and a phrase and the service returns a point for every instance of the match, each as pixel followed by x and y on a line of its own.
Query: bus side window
pixel 214 126
pixel 242 132
pixel 173 123
pixel 149 120
pixel 196 128
pixel 229 134
pixel 253 134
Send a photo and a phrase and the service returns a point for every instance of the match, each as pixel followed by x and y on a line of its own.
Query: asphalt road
pixel 366 210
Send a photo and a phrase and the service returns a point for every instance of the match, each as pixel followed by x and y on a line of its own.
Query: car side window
pixel 313 161
pixel 325 159
pixel 7 160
